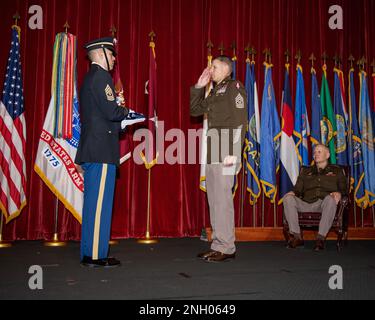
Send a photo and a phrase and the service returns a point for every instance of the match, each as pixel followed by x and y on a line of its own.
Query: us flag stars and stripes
pixel 12 135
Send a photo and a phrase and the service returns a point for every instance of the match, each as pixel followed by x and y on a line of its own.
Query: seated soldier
pixel 319 188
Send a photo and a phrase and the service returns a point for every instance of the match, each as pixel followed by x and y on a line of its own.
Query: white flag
pixel 55 162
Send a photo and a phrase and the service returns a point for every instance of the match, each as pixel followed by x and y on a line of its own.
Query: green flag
pixel 328 123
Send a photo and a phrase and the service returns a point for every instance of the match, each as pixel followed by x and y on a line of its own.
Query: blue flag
pixel 301 121
pixel 355 149
pixel 367 131
pixel 289 164
pixel 316 110
pixel 341 119
pixel 269 138
pixel 252 146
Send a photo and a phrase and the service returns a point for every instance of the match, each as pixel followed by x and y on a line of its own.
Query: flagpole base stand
pixel 147 239
pixel 5 244
pixel 113 242
pixel 55 242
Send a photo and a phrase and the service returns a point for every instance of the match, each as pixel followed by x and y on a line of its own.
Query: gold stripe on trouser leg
pixel 98 213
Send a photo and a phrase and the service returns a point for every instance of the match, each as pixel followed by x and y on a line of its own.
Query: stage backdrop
pixel 182 29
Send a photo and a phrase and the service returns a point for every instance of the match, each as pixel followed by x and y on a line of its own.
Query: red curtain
pixel 182 27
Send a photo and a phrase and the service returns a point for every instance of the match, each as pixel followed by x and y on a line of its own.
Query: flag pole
pixel 361 64
pixel 350 140
pixel 147 239
pixel 242 197
pixel 372 208
pixel 3 244
pixel 266 52
pixel 56 242
pixel 113 31
pixel 253 52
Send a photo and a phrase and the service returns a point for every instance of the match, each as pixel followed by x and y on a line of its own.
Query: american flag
pixel 12 135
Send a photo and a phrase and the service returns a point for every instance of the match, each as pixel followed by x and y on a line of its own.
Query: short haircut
pixel 91 54
pixel 323 146
pixel 227 61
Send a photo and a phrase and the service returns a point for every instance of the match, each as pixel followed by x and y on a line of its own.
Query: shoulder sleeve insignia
pixel 109 93
pixel 238 86
pixel 240 104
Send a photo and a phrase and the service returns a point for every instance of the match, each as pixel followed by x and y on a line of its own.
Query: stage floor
pixel 169 270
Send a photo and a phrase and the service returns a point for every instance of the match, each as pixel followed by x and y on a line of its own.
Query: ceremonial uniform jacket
pixel 101 119
pixel 226 107
pixel 314 184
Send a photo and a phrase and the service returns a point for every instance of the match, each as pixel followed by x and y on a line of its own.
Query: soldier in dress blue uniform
pixel 98 152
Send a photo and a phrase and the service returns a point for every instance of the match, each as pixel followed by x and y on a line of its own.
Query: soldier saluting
pixel 226 107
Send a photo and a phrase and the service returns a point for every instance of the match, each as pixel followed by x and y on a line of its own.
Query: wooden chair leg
pixel 339 240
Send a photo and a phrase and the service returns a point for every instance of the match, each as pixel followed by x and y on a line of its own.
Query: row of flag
pixel 280 146
pixel 271 145
pixel 60 135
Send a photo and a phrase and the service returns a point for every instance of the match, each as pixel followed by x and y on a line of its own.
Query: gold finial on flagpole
pixel 209 47
pixel 287 55
pixel 337 60
pixel 152 35
pixel 298 56
pixel 234 47
pixel 113 31
pixel 66 26
pixel 253 53
pixel 16 17
pixel 247 50
pixel 312 58
pixel 221 48
pixel 351 59
pixel 325 57
pixel 267 53
pixel 362 63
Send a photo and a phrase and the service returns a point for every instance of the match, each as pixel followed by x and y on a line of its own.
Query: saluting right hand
pixel 204 79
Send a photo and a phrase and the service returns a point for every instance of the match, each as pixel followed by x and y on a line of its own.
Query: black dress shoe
pixel 319 245
pixel 220 257
pixel 295 243
pixel 206 254
pixel 103 263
